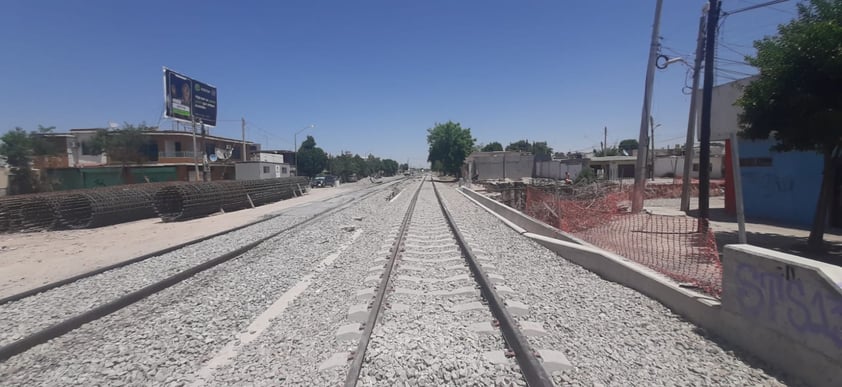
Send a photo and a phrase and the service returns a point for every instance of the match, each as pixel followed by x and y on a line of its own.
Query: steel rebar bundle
pixel 190 201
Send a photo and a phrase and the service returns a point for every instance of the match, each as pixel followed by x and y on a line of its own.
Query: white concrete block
pixel 496 357
pixel 358 313
pixel 484 328
pixel 336 360
pixel 554 361
pixel 496 278
pixel 517 308
pixel 349 332
pixel 366 293
pixel 468 306
pixel 532 329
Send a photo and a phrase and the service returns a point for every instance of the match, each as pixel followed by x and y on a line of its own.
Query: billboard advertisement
pixel 187 99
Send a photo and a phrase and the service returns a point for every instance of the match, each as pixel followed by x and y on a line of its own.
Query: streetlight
pixel 295 141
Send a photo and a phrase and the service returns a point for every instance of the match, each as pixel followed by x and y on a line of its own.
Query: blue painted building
pixel 784 186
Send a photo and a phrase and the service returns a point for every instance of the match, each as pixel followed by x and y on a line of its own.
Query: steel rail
pixel 530 366
pixel 56 330
pixel 359 355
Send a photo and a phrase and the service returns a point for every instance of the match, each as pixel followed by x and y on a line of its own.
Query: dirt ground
pixel 29 260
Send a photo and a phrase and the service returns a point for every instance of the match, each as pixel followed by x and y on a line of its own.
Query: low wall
pixel 783 309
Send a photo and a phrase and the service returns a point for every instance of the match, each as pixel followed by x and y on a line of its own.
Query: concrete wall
pixel 260 170
pixel 665 165
pixel 783 309
pixel 500 165
pixel 556 169
pixel 787 190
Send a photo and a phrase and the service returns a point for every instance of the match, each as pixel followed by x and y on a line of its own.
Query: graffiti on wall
pixel 781 299
pixel 770 182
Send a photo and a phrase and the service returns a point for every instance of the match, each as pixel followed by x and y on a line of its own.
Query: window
pixel 755 161
pixel 87 149
pixel 284 170
pixel 178 146
pixel 266 169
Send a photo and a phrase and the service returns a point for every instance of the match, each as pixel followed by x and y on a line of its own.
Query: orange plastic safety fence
pixel 673 245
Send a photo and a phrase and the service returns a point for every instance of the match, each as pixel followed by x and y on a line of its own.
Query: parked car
pixel 323 181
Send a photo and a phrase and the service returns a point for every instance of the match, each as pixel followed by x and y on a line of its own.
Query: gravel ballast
pixel 167 337
pixel 26 316
pixel 611 334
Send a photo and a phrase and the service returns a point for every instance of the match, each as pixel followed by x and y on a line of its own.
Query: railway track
pixel 435 312
pixel 55 324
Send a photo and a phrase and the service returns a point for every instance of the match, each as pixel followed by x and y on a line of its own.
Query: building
pixel 166 155
pixel 499 165
pixel 613 167
pixel 264 165
pixel 779 186
pixel 559 169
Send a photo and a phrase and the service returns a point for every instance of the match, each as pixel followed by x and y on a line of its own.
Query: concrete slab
pixel 554 361
pixel 483 328
pixel 517 308
pixel 496 278
pixel 366 293
pixel 532 329
pixel 496 357
pixel 358 312
pixel 504 290
pixel 339 359
pixel 468 306
pixel 349 332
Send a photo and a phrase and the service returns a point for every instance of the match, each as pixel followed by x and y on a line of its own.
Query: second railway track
pixel 435 311
pixel 33 318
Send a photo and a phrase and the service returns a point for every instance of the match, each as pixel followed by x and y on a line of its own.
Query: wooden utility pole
pixel 605 140
pixel 195 150
pixel 643 141
pixel 205 166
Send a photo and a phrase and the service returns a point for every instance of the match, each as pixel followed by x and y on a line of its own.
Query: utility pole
pixel 643 141
pixel 243 125
pixel 195 149
pixel 693 119
pixel 652 141
pixel 604 140
pixel 707 97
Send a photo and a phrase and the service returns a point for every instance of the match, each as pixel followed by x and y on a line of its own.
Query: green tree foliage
pixel 612 151
pixel 19 147
pixel 519 146
pixel 449 145
pixel 796 97
pixel 390 167
pixel 628 145
pixel 124 145
pixel 404 167
pixel 493 147
pixel 585 176
pixel 312 160
pixel 373 165
pixel 542 149
pixel 537 148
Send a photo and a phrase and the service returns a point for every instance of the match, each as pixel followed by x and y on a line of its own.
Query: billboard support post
pixel 205 160
pixel 195 151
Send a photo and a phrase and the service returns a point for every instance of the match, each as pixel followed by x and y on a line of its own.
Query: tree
pixel 628 145
pixel 449 145
pixel 312 160
pixel 390 167
pixel 19 147
pixel 796 97
pixel 124 146
pixel 519 146
pixel 542 149
pixel 612 151
pixel 493 147
pixel 404 167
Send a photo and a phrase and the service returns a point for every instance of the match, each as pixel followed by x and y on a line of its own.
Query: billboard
pixel 187 99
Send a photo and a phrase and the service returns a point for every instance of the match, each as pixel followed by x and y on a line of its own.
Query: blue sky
pixel 371 75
